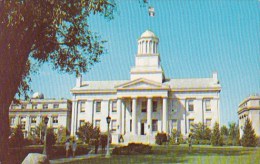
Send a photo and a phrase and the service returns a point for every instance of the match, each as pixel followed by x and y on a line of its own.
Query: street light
pixel 46 119
pixel 108 136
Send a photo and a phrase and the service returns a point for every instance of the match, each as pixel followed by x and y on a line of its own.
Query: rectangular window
pixel 154 125
pixel 97 123
pixel 45 106
pixel 207 105
pixel 113 125
pixel 81 123
pixel 114 107
pixel 144 106
pixel 131 125
pixel 190 105
pixel 154 106
pixel 174 106
pixel 55 105
pixel 23 106
pixel 98 106
pixel 191 123
pixel 82 106
pixel 34 106
pixel 55 120
pixel 23 122
pixel 131 105
pixel 12 120
pixel 33 120
pixel 208 122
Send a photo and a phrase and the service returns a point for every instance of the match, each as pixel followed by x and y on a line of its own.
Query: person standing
pixel 74 147
pixel 67 147
pixel 190 142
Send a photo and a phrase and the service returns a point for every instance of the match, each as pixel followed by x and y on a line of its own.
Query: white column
pixel 119 116
pixel 16 120
pixel 73 117
pixel 149 115
pixel 164 113
pixel 134 116
pixel 123 117
pixel 27 127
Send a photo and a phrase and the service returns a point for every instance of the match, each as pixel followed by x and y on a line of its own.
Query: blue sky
pixel 196 38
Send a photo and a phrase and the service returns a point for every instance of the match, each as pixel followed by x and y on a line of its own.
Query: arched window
pixel 150 46
pixel 146 47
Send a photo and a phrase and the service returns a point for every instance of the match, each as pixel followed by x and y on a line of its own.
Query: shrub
pixel 160 138
pixel 204 142
pixel 16 139
pixel 103 141
pixel 249 137
pixel 132 148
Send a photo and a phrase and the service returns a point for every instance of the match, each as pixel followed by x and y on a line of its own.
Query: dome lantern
pixel 148 43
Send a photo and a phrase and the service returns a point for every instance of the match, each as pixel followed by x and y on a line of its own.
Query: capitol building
pixel 148 102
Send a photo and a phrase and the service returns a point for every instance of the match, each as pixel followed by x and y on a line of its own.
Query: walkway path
pixel 77 158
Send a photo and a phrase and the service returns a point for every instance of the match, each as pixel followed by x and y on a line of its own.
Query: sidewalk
pixel 76 158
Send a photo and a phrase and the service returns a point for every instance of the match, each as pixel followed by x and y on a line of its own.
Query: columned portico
pixel 145 104
pixel 149 115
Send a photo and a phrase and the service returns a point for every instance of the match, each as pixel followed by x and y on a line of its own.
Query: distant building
pixel 31 113
pixel 149 102
pixel 250 108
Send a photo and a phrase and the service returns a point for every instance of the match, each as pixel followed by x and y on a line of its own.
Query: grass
pixel 180 154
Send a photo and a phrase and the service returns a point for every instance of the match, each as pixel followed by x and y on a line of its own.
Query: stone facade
pixel 250 108
pixel 149 102
pixel 31 113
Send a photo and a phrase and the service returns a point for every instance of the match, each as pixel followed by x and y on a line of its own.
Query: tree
pixel 249 137
pixel 200 132
pixel 62 134
pixel 56 32
pixel 234 133
pixel 88 132
pixel 16 139
pixel 224 130
pixel 216 138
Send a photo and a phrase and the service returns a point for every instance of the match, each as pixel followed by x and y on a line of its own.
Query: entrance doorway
pixel 142 128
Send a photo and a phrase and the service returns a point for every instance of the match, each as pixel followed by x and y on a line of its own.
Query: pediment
pixel 141 83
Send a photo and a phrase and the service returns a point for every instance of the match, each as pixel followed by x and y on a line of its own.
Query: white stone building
pixel 149 102
pixel 31 113
pixel 250 108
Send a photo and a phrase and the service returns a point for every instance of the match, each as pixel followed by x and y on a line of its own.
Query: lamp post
pixel 46 119
pixel 108 136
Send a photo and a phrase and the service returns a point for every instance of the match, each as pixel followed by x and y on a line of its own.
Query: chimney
pixel 215 78
pixel 79 81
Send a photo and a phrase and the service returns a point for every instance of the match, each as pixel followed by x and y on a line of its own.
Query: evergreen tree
pixel 216 138
pixel 249 137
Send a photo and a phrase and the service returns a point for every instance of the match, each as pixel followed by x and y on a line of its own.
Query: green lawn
pixel 180 154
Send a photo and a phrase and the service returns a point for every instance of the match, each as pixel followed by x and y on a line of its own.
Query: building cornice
pixel 241 110
pixel 196 89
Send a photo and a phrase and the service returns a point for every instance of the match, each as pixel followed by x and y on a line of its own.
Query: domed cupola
pixel 147 59
pixel 148 43
pixel 37 95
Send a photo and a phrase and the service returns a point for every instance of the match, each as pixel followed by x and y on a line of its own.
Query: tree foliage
pixel 224 130
pixel 234 134
pixel 200 132
pixel 33 32
pixel 249 137
pixel 88 132
pixel 216 138
pixel 16 139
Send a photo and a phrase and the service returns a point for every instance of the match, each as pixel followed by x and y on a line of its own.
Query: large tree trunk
pixel 12 64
